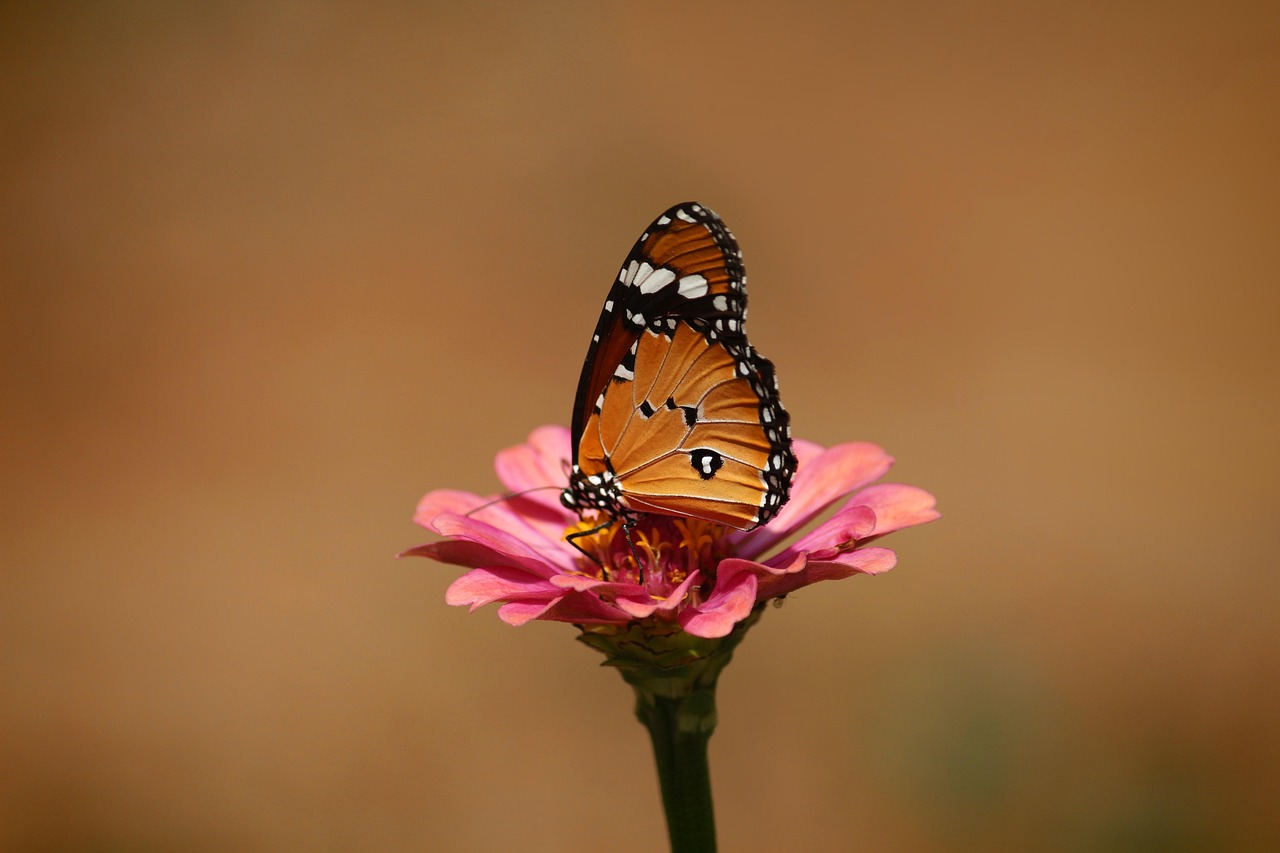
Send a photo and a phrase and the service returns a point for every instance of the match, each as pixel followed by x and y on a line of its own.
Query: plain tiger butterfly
pixel 676 414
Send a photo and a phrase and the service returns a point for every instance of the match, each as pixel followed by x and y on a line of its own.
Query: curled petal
pixel 897 506
pixel 863 561
pixel 850 524
pixel 672 601
pixel 820 481
pixel 525 611
pixel 828 567
pixel 766 572
pixel 583 583
pixel 729 604
pixel 642 605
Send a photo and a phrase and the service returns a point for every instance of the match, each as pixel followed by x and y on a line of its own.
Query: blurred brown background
pixel 270 274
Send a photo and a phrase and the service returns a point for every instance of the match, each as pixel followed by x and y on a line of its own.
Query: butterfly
pixel 676 414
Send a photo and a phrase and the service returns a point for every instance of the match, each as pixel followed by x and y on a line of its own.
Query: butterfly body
pixel 676 414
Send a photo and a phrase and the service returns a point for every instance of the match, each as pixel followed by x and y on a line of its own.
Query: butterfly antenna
pixel 508 496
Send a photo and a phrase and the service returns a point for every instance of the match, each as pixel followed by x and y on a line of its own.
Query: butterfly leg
pixel 631 545
pixel 592 557
pixel 627 527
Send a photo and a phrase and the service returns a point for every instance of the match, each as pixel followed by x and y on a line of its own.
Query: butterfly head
pixel 595 492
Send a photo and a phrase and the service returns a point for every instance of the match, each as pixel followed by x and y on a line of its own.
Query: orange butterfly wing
pixel 676 413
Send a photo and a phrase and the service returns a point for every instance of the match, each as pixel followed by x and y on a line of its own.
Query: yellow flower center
pixel 656 550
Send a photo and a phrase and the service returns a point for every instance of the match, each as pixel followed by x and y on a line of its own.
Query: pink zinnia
pixel 704 577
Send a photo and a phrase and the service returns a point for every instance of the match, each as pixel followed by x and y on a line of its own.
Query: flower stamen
pixel 655 551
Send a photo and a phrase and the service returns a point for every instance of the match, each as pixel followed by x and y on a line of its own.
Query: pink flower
pixel 704 577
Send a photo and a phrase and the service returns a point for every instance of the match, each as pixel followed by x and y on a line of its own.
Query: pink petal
pixel 794 563
pixel 642 605
pixel 765 574
pixel 806 451
pixel 729 604
pixel 514 551
pixel 479 587
pixel 819 481
pixel 522 612
pixel 553 441
pixel 457 552
pixel 537 517
pixel 529 521
pixel 862 561
pixel 585 583
pixel 868 561
pixel 534 524
pixel 897 506
pixel 537 464
pixel 579 608
pixel 636 607
pixel 850 524
pixel 677 595
pixel 442 501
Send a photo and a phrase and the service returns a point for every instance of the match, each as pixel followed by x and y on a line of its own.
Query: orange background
pixel 270 275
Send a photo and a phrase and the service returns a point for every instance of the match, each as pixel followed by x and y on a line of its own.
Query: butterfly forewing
pixel 685 265
pixel 676 414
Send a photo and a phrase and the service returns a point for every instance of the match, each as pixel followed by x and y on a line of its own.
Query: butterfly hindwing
pixel 676 413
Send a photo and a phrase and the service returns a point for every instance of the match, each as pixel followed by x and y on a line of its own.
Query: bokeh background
pixel 272 271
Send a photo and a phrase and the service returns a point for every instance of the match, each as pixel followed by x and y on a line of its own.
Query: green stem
pixel 674 676
pixel 680 729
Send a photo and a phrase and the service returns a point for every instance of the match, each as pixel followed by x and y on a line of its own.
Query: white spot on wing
pixel 680 214
pixel 721 303
pixel 639 272
pixel 650 280
pixel 692 286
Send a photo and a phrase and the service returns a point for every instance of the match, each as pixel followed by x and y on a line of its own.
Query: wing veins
pixel 679 449
pixel 707 498
pixel 656 373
